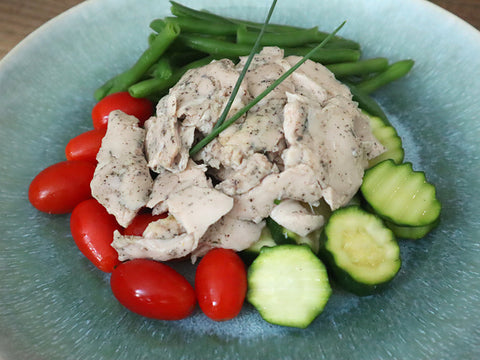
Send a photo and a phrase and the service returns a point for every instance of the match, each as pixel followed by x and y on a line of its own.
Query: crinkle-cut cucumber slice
pixel 361 251
pixel 388 137
pixel 400 195
pixel 288 285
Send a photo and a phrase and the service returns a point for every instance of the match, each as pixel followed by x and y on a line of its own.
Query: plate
pixel 55 305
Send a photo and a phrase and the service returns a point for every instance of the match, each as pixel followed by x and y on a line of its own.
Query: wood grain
pixel 18 18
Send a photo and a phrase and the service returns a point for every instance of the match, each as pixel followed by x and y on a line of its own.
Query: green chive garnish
pixel 224 114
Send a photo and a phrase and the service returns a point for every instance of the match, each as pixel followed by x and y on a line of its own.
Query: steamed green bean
pixel 392 73
pixel 326 56
pixel 149 57
pixel 155 86
pixel 284 39
pixel 361 67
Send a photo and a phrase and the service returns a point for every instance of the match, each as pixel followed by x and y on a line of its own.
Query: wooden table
pixel 18 18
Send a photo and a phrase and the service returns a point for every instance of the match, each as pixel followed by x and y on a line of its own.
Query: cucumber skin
pixel 411 232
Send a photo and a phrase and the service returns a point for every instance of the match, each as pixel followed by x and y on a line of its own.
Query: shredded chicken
pixel 304 144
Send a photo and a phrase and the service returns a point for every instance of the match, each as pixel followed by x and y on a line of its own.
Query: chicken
pixel 327 133
pixel 122 181
pixel 303 145
pixel 298 183
pixel 193 204
pixel 295 216
pixel 229 233
pixel 162 240
pixel 248 175
pixel 168 183
pixel 194 103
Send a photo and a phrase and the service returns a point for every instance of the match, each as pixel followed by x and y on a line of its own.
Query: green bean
pixel 392 73
pixel 158 25
pixel 366 102
pixel 214 47
pixel 162 69
pixel 150 56
pixel 181 58
pixel 182 10
pixel 186 12
pixel 219 48
pixel 154 86
pixel 361 67
pixel 151 38
pixel 192 25
pixel 284 39
pixel 294 37
pixel 326 56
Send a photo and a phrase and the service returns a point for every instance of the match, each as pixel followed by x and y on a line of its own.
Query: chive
pixel 224 114
pixel 207 139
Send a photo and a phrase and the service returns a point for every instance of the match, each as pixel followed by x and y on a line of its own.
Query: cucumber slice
pixel 361 251
pixel 288 285
pixel 388 137
pixel 400 195
pixel 411 232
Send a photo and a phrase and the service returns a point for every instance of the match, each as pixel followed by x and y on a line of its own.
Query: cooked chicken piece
pixel 229 233
pixel 329 133
pixel 168 183
pixel 316 81
pixel 203 93
pixel 261 131
pixel 298 183
pixel 164 147
pixel 195 102
pixel 294 216
pixel 122 181
pixel 371 146
pixel 193 204
pixel 248 175
pixel 196 208
pixel 162 240
pixel 192 211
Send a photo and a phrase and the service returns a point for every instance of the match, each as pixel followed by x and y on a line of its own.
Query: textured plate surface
pixel 55 305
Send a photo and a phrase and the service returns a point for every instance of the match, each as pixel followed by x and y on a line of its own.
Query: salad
pixel 246 148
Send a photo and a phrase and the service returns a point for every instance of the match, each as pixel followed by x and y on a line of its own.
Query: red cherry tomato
pixel 85 146
pixel 141 108
pixel 221 284
pixel 152 289
pixel 60 187
pixel 92 229
pixel 140 223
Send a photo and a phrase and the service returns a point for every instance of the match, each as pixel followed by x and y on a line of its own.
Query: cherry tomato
pixel 141 108
pixel 92 229
pixel 60 187
pixel 152 289
pixel 85 146
pixel 140 223
pixel 221 284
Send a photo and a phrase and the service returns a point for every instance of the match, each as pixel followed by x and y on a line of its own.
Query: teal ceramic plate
pixel 55 305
